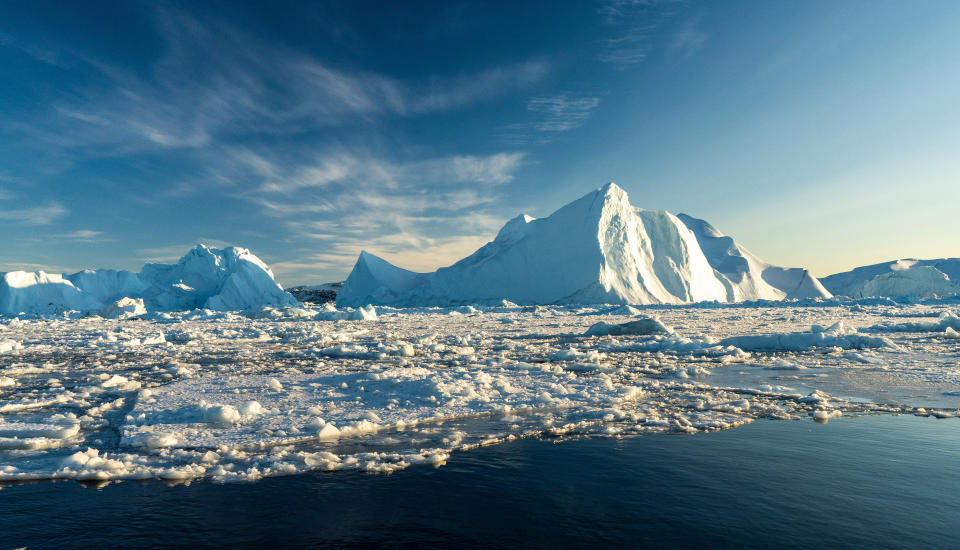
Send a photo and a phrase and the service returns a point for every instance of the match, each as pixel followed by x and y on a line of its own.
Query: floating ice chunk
pixel 251 408
pixel 736 406
pixel 837 336
pixel 121 383
pixel 817 397
pixel 91 460
pixel 823 416
pixel 951 334
pixel 220 415
pixel 947 320
pixel 573 354
pixel 6 381
pixel 322 460
pixel 640 327
pixel 62 429
pixel 781 363
pixel 9 345
pixel 153 340
pixel 154 440
pixel 368 313
pixel 274 384
pixel 315 425
pixel 329 432
pixel 361 427
pixel 690 371
pixel 124 308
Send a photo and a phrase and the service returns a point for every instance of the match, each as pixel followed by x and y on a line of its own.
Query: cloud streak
pixel 247 87
pixel 551 116
pixel 83 235
pixel 37 215
pixel 431 211
pixel 633 25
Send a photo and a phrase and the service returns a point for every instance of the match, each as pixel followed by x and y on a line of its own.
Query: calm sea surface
pixel 873 482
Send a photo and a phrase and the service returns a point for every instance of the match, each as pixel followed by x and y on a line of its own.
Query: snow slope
pixel 751 277
pixel 210 278
pixel 899 278
pixel 597 249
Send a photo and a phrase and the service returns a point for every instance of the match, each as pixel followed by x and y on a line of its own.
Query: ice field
pixel 237 397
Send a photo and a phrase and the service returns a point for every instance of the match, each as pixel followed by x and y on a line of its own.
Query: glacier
pixel 597 249
pixel 205 278
pixel 899 279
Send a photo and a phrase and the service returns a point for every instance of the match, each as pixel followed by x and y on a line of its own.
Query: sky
pixel 819 134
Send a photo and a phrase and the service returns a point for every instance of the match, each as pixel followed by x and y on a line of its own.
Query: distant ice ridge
pixel 899 278
pixel 598 249
pixel 208 278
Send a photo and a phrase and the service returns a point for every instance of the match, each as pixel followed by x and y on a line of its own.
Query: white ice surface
pixel 900 278
pixel 275 391
pixel 597 249
pixel 209 278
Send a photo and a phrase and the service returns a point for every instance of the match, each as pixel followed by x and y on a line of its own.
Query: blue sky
pixel 818 134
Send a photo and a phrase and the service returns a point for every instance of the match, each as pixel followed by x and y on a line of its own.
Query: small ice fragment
pixel 251 408
pixel 221 415
pixel 821 417
pixel 328 433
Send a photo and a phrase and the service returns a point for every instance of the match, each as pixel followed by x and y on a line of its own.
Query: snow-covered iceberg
pixel 899 278
pixel 597 249
pixel 209 278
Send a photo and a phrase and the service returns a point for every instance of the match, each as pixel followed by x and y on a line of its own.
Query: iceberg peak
pixel 596 249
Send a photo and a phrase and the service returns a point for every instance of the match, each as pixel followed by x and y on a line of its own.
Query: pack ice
pixel 598 249
pixel 899 278
pixel 208 278
pixel 238 397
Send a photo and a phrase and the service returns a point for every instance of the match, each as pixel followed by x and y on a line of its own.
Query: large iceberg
pixel 899 278
pixel 209 278
pixel 597 249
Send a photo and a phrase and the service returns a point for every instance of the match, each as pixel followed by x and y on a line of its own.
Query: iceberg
pixel 597 249
pixel 208 278
pixel 899 279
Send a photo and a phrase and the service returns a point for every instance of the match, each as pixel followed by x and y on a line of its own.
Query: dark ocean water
pixel 872 482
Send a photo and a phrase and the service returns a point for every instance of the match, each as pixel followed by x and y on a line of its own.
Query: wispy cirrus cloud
pixel 688 39
pixel 36 215
pixel 247 87
pixel 634 28
pixel 551 116
pixel 429 212
pixel 83 235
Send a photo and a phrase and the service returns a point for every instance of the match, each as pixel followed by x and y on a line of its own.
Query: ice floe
pixel 238 396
